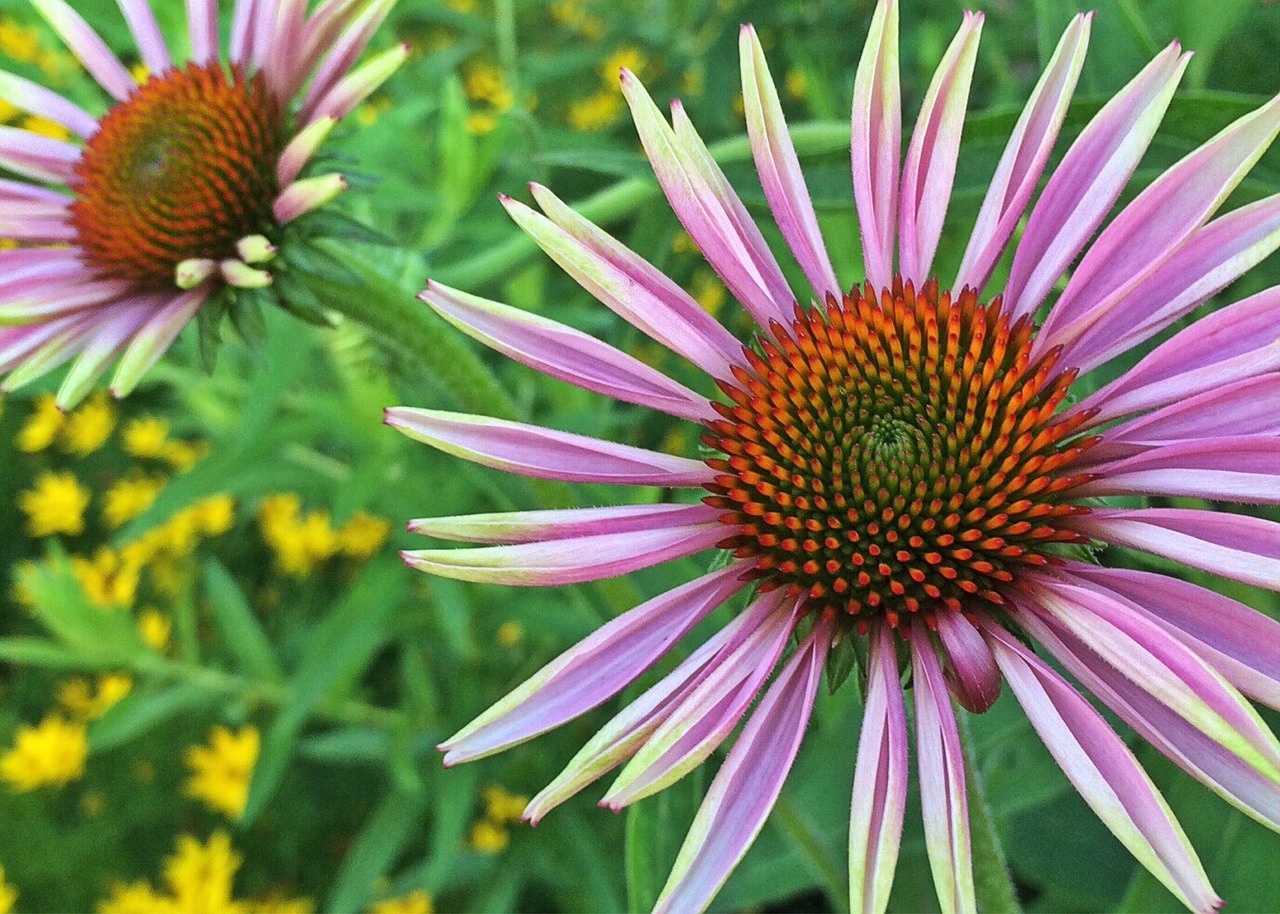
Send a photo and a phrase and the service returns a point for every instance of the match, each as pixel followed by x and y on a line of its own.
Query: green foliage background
pixel 353 676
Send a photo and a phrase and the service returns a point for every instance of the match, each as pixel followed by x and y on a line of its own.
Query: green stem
pixel 625 197
pixel 381 305
pixel 992 882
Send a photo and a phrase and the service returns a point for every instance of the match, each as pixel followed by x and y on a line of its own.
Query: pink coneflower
pixel 899 469
pixel 188 186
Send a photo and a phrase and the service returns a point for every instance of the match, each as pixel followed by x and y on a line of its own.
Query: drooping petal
pixel 970 669
pixel 1244 469
pixel 1156 224
pixel 344 53
pixel 565 353
pixel 146 33
pixel 1231 344
pixel 628 285
pixel 1089 179
pixel 360 83
pixel 154 339
pixel 1104 771
pixel 543 453
pixel 1237 640
pixel 707 715
pixel 708 208
pixel 779 168
pixel 877 143
pixel 91 50
pixel 202 26
pixel 749 782
pixel 36 99
pixel 302 148
pixel 109 338
pixel 568 561
pixel 930 167
pixel 942 781
pixel 1025 157
pixel 1214 257
pixel 593 671
pixel 1158 686
pixel 41 157
pixel 879 781
pixel 1232 545
pixel 539 526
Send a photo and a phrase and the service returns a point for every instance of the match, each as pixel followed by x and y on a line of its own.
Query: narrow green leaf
pixel 242 633
pixel 139 712
pixel 375 849
pixel 654 831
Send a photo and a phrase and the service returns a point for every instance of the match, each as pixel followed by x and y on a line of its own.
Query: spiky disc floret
pixel 183 169
pixel 896 452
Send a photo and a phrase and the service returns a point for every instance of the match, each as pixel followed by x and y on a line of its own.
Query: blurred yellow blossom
pixel 597 111
pixel 627 57
pixel 279 904
pixel 45 127
pixel 481 122
pixel 418 902
pixel 52 752
pixel 707 290
pixel 42 426
pixel 510 633
pixel 89 427
pixel 797 83
pixel 214 515
pixel 299 542
pixel 8 894
pixel 145 437
pixel 220 771
pixel 135 898
pixel 55 505
pixel 154 628
pixel 200 875
pixel 21 42
pixel 8 112
pixel 86 702
pixel 109 579
pixel 20 591
pixel 488 838
pixel 363 535
pixel 182 455
pixel 484 82
pixel 129 497
pixel 501 807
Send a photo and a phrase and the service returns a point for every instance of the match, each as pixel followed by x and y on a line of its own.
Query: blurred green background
pixel 247 668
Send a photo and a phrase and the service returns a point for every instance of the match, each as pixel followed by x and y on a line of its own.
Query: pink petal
pixel 593 671
pixel 543 453
pixel 708 208
pixel 325 25
pixel 749 782
pixel 154 339
pixel 1025 157
pixel 88 47
pixel 1214 257
pixel 706 716
pixel 202 25
pixel 629 285
pixel 779 168
pixel 344 53
pixel 108 339
pixel 877 143
pixel 565 353
pixel 540 526
pixel 1153 227
pixel 569 561
pixel 930 167
pixel 1237 640
pixel 243 17
pixel 36 99
pixel 970 670
pixel 879 781
pixel 1229 345
pixel 942 780
pixel 1242 469
pixel 1235 546
pixel 146 33
pixel 36 156
pixel 1089 179
pixel 1104 771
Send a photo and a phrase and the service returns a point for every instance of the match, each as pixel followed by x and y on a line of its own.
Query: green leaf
pixel 380 840
pixel 103 637
pixel 40 652
pixel 655 830
pixel 242 633
pixel 139 712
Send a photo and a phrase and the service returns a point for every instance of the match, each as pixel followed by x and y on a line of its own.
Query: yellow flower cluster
pixel 55 505
pixel 51 753
pixel 486 88
pixel 576 16
pixel 221 770
pixel 602 108
pixel 197 877
pixel 21 42
pixel 418 902
pixel 490 834
pixel 302 542
pixel 8 894
pixel 86 702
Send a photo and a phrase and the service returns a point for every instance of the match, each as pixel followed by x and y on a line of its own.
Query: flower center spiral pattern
pixel 896 452
pixel 183 168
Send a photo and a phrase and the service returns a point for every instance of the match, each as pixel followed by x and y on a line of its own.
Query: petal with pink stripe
pixel 539 526
pixel 877 143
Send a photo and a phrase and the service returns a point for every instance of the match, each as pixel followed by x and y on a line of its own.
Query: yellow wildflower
pixel 488 838
pixel 20 592
pixel 8 894
pixel 597 111
pixel 481 122
pixel 140 73
pixel 154 628
pixel 89 427
pixel 626 57
pixel 109 579
pixel 279 904
pixel 418 902
pixel 502 807
pixel 84 702
pixel 42 426
pixel 707 290
pixel 483 82
pixel 129 497
pixel 682 243
pixel 55 505
pixel 45 127
pixel 182 455
pixel 220 771
pixel 21 42
pixel 299 543
pixel 510 634
pixel 146 437
pixel 797 83
pixel 363 535
pixel 135 898
pixel 214 515
pixel 200 875
pixel 52 752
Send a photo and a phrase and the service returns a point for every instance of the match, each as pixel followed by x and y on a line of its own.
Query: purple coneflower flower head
pixel 188 189
pixel 899 468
